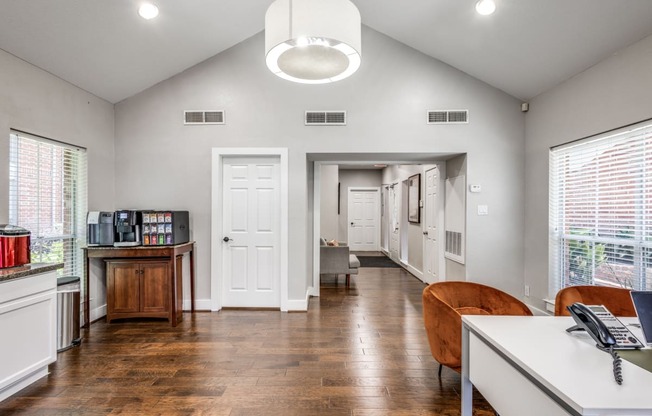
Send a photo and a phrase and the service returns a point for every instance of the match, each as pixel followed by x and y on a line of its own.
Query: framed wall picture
pixel 414 196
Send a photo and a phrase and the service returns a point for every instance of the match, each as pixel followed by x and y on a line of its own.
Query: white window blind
pixel 601 211
pixel 48 196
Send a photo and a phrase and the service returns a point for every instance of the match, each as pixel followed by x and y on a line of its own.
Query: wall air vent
pixel 325 118
pixel 203 117
pixel 448 116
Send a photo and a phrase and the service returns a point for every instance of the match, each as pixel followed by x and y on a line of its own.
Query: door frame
pixel 351 189
pixel 218 155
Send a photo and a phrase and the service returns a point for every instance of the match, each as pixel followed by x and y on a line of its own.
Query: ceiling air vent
pixel 203 117
pixel 325 118
pixel 448 116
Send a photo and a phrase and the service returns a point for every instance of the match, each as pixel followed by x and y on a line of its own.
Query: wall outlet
pixel 527 291
pixel 483 210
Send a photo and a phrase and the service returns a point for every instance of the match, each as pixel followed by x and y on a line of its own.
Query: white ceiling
pixel 525 48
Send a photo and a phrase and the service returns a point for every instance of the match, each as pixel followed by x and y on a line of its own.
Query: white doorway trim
pixel 218 154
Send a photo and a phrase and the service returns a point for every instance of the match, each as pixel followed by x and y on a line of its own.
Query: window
pixel 601 211
pixel 47 196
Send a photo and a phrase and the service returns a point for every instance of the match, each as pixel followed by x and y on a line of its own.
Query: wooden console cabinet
pixel 138 289
pixel 142 281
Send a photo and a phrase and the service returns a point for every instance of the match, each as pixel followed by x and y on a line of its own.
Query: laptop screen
pixel 643 304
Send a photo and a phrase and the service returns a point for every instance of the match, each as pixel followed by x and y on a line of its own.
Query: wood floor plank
pixel 359 351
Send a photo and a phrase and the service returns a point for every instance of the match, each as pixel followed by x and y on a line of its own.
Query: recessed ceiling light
pixel 485 7
pixel 148 11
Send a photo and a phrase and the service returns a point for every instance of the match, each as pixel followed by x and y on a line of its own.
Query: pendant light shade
pixel 313 41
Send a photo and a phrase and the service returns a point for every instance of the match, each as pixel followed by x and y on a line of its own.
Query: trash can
pixel 68 305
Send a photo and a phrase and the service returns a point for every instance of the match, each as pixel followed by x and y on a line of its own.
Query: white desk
pixel 532 366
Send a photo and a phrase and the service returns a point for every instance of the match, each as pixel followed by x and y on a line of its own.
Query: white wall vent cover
pixel 203 117
pixel 325 118
pixel 448 116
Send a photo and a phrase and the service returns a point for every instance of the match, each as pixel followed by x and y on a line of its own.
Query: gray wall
pixel 349 178
pixel 457 271
pixel 37 102
pixel 329 218
pixel 162 163
pixel 611 94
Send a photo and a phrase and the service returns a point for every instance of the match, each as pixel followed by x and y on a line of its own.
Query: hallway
pixel 358 351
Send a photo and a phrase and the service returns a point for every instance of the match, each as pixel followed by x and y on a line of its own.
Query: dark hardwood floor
pixel 360 351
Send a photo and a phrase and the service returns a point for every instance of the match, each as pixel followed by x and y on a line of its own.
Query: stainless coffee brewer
pixel 128 225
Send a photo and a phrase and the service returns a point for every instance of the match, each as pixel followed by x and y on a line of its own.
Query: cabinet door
pixel 155 294
pixel 123 288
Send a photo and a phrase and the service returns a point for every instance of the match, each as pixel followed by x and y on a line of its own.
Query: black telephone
pixel 606 330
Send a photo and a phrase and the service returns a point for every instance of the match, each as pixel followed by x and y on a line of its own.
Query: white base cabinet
pixel 28 324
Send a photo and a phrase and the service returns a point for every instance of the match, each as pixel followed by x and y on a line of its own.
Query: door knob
pixel 226 239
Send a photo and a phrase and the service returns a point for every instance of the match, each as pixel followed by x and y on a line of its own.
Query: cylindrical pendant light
pixel 313 41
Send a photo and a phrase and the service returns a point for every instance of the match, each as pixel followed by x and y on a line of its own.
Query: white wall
pixel 162 163
pixel 611 94
pixel 350 178
pixel 37 102
pixel 329 218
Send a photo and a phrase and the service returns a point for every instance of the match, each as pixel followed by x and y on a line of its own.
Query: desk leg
pixel 192 279
pixel 173 290
pixel 467 387
pixel 87 293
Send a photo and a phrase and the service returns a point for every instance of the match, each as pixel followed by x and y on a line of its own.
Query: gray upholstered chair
pixel 337 260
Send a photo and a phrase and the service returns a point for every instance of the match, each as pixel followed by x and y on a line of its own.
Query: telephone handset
pixel 607 331
pixel 604 328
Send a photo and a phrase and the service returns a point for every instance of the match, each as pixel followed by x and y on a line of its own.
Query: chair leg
pixel 348 280
pixel 440 367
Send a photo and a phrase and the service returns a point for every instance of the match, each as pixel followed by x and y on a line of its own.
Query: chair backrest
pixel 444 303
pixel 333 260
pixel 617 300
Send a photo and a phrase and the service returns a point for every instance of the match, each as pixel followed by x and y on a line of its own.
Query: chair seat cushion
pixel 354 263
pixel 471 310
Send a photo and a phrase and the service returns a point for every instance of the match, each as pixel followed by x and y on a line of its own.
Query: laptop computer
pixel 643 305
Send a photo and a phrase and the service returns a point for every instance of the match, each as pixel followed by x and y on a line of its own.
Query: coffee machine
pixel 128 225
pixel 100 228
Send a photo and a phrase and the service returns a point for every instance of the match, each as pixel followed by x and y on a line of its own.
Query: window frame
pixel 73 192
pixel 608 159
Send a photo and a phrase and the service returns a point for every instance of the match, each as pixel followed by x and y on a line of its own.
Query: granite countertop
pixel 27 270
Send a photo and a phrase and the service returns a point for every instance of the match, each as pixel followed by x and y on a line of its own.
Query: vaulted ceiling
pixel 524 48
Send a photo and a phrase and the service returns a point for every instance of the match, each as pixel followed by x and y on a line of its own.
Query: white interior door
pixel 384 219
pixel 251 228
pixel 431 232
pixel 364 219
pixel 393 223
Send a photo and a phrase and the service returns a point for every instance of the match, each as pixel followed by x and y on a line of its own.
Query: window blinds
pixel 601 211
pixel 48 196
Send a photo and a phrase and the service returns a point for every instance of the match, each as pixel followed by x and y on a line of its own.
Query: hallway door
pixel 364 219
pixel 431 236
pixel 251 228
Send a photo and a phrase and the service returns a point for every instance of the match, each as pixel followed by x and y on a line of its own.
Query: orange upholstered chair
pixel 444 303
pixel 617 300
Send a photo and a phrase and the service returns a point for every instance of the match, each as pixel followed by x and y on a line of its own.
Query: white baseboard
pixel 98 313
pixel 312 292
pixel 415 272
pixel 299 305
pixel 200 304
